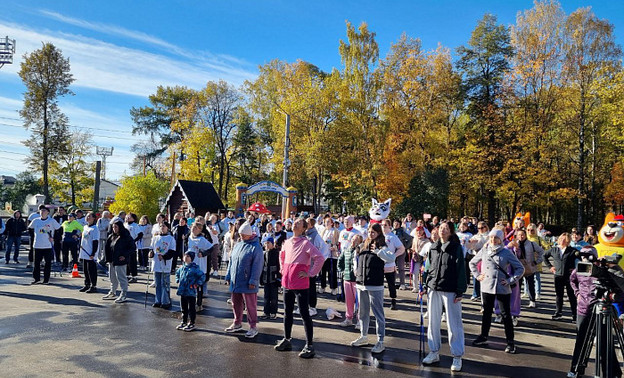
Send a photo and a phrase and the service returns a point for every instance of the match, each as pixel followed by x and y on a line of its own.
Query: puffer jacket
pixel 584 287
pixel 447 270
pixel 188 277
pixel 246 263
pixel 345 263
pixel 118 246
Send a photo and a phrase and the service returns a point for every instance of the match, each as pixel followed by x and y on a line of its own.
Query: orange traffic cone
pixel 75 273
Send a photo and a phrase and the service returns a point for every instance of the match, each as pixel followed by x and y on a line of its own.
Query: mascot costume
pixel 520 222
pixel 611 237
pixel 379 211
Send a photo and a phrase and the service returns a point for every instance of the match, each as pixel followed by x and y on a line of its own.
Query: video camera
pixel 605 269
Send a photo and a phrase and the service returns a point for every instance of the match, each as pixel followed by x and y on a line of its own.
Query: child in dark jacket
pixel 271 278
pixel 189 277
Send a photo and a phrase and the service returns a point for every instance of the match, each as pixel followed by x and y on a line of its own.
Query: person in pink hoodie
pixel 299 260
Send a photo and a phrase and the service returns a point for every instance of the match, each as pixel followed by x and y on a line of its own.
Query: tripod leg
pixel 586 344
pixel 619 333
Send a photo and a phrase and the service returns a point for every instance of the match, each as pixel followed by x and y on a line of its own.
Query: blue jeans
pixel 162 288
pixel 476 288
pixel 16 241
pixel 538 284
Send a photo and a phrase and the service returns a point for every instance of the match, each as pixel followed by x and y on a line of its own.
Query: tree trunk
pixel 221 172
pixel 581 179
pixel 46 190
pixel 491 208
pixel 72 186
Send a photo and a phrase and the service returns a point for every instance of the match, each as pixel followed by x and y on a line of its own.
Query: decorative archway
pixel 243 194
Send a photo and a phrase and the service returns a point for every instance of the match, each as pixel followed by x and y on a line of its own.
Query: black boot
pixel 393 305
pixel 85 289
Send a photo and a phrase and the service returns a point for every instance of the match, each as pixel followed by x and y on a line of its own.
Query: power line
pixel 70 125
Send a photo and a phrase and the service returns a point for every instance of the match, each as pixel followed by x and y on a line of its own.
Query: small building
pixel 107 190
pixel 192 197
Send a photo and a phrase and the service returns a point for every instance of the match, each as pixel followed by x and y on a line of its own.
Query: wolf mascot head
pixel 379 211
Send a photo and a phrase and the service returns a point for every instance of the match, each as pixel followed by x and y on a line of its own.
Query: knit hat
pixel 245 229
pixel 191 254
pixel 268 239
pixel 589 250
pixel 497 233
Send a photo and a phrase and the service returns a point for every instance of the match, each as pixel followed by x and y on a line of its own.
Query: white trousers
pixel 438 299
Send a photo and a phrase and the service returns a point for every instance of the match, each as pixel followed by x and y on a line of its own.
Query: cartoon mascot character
pixel 611 237
pixel 379 211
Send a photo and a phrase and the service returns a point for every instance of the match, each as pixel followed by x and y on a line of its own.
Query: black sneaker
pixel 35 282
pixel 264 316
pixel 283 345
pixel 556 317
pixel 181 326
pixel 393 305
pixel 190 327
pixel 156 305
pixel 511 348
pixel 91 290
pixel 167 306
pixel 307 351
pixel 84 289
pixel 45 283
pixel 480 340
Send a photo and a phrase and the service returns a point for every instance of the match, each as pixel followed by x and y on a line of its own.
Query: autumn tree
pixel 47 77
pixel 71 173
pixel 140 195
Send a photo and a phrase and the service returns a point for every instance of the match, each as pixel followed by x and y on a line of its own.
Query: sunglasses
pixel 482 228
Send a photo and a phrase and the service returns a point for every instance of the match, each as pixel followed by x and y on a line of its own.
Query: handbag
pixel 511 285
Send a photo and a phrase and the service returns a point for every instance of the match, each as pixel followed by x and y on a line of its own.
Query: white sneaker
pixel 153 284
pixel 361 341
pixel 109 296
pixel 524 295
pixel 334 291
pixel 357 325
pixel 122 298
pixel 414 290
pixel 346 323
pixel 431 358
pixel 378 348
pixel 515 321
pixel 327 290
pixel 457 364
pixel 234 328
pixel 229 301
pixel 253 332
pixel 296 311
pixel 320 290
pixel 426 314
pixel 498 319
pixel 444 317
pixel 531 304
pixel 402 287
pixel 538 297
pixel 313 311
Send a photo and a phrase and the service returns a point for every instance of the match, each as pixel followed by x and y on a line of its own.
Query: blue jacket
pixel 246 263
pixel 187 276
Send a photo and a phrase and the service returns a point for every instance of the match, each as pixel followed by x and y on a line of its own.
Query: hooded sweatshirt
pixel 299 255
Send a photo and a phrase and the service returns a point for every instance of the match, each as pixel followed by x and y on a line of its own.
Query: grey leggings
pixel 366 299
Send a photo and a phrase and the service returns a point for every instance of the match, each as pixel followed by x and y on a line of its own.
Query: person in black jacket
pixel 445 284
pixel 369 278
pixel 564 260
pixel 15 227
pixel 180 232
pixel 60 216
pixel 270 277
pixel 119 246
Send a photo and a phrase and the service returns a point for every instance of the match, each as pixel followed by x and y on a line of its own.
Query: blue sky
pixel 121 50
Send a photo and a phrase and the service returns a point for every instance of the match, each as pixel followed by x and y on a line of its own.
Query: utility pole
pixel 7 50
pixel 96 190
pixel 104 152
pixel 173 163
pixel 286 163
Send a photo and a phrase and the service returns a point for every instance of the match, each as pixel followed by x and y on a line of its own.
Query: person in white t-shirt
pixel 163 250
pixel 88 253
pixel 395 246
pixel 43 228
pixel 198 244
pixel 31 237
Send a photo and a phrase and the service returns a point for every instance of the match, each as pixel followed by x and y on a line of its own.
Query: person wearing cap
pixel 496 283
pixel 189 277
pixel 299 260
pixel 243 276
pixel 271 278
pixel 584 287
pixel 71 237
pixel 43 228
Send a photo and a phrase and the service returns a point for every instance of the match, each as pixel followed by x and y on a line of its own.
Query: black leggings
pixel 530 281
pixel 563 284
pixel 312 299
pixel 132 264
pixel 271 298
pixel 42 254
pixel 90 272
pixel 143 257
pixel 488 308
pixel 70 246
pixel 188 308
pixel 391 278
pixel 329 268
pixel 289 307
pixel 200 293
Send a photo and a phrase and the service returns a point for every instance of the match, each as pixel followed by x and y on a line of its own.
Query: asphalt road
pixel 57 331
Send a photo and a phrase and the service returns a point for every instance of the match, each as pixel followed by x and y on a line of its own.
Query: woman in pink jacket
pixel 299 260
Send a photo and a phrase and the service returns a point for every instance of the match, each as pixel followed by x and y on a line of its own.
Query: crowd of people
pixel 350 258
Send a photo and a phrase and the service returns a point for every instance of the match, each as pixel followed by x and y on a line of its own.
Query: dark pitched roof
pixel 201 195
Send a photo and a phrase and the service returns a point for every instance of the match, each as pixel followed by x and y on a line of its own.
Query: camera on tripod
pixel 605 269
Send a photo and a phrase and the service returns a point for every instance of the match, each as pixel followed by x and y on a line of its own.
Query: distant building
pixel 8 181
pixel 192 196
pixel 107 190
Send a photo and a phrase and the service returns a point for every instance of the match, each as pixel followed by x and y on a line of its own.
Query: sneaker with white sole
pixel 431 358
pixel 153 284
pixel 110 296
pixel 357 325
pixel 283 345
pixel 189 327
pixel 313 311
pixel 296 311
pixel 444 317
pixel 457 364
pixel 361 341
pixel 346 323
pixel 320 290
pixel 181 326
pixel 402 287
pixel 515 321
pixel 378 348
pixel 531 304
pixel 121 299
pixel 538 297
pixel 334 291
pixel 229 301
pixel 498 319
pixel 234 328
pixel 253 332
